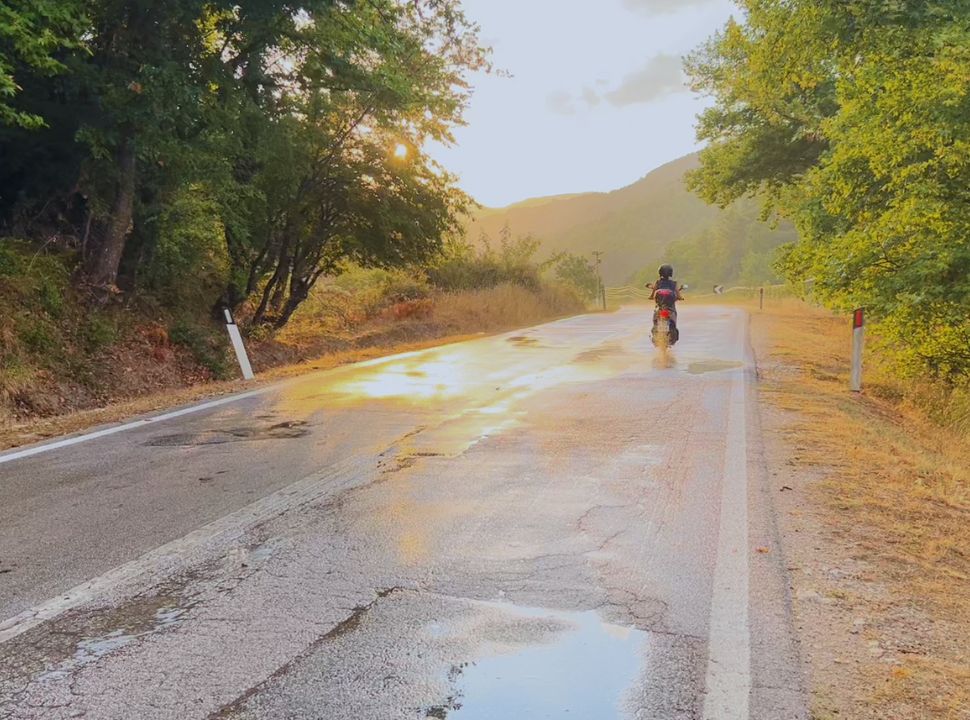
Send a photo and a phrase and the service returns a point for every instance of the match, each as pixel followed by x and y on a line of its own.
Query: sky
pixel 596 97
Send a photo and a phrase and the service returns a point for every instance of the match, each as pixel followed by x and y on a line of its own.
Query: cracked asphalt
pixel 541 524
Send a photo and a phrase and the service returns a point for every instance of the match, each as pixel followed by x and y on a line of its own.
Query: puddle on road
pixel 142 619
pixel 279 431
pixel 525 341
pixel 606 351
pixel 578 666
pixel 709 366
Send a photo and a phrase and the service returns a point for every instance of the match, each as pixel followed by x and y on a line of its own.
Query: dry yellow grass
pixel 896 497
pixel 502 307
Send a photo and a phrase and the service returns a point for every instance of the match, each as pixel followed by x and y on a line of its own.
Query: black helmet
pixel 666 271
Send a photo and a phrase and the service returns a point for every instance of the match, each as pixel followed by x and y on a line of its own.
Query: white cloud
pixel 662 75
pixel 659 7
pixel 591 97
pixel 561 103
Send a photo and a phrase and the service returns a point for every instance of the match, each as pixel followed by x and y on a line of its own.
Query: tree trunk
pixel 279 294
pixel 299 291
pixel 104 261
pixel 232 297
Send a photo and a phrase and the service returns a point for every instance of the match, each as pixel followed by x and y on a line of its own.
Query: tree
pixel 852 117
pixel 282 117
pixel 579 273
pixel 31 34
pixel 372 78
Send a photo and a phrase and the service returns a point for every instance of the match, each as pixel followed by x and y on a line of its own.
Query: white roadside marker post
pixel 237 345
pixel 858 344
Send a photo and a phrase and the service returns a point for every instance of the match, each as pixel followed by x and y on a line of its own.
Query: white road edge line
pixel 728 682
pixel 32 450
pixel 76 439
pixel 168 559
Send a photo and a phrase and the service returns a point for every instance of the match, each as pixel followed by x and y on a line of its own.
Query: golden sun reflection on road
pixel 419 378
pixel 471 392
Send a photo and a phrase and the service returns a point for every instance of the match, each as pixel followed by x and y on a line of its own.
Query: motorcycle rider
pixel 669 293
pixel 665 282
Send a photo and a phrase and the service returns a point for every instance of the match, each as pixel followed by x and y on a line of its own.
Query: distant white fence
pixel 629 295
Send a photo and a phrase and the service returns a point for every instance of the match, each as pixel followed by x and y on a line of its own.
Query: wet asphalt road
pixel 560 522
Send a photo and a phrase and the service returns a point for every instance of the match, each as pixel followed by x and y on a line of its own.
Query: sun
pixel 401 151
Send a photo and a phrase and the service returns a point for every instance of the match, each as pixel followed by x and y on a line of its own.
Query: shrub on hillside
pixel 188 266
pixel 462 266
pixel 208 348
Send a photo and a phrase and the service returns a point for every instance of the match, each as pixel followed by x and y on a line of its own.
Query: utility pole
pixel 600 288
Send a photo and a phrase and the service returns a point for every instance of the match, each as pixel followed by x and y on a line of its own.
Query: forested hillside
pixel 852 117
pixel 638 226
pixel 737 249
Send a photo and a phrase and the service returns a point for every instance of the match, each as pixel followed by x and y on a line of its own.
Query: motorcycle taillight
pixel 665 314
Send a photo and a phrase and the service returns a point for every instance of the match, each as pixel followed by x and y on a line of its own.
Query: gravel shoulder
pixel 873 516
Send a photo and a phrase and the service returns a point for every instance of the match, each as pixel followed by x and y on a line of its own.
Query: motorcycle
pixel 665 332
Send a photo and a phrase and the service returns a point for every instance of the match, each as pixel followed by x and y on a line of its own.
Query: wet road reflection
pixel 521 526
pixel 579 667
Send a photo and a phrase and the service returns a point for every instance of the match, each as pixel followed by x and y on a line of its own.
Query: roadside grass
pixel 895 495
pixel 503 306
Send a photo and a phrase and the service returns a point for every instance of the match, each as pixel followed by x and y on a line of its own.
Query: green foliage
pixel 853 117
pixel 738 249
pixel 31 34
pixel 463 266
pixel 578 273
pixel 10 263
pixel 39 336
pixel 208 348
pixel 233 151
pixel 33 273
pixel 188 266
pixel 98 333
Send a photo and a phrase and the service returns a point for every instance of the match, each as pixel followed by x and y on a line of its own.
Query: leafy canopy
pixel 853 118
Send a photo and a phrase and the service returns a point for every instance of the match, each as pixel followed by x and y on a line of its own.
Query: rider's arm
pixel 679 294
pixel 653 289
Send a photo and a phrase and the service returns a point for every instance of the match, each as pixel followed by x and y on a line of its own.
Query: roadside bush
pixel 208 349
pixel 357 295
pixel 504 306
pixel 411 310
pixel 189 265
pixel 98 333
pixel 10 259
pixel 462 266
pixel 579 274
pixel 38 336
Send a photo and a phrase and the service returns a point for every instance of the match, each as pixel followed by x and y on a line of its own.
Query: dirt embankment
pixel 874 506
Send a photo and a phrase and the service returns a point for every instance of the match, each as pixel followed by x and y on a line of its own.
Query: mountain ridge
pixel 632 226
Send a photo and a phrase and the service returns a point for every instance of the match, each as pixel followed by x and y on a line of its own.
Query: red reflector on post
pixel 859 318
